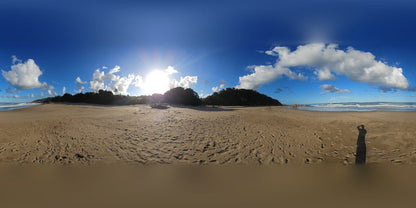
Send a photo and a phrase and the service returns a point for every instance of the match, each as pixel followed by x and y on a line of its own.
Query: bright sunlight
pixel 156 82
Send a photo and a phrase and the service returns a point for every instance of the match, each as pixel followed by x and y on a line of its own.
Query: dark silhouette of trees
pixel 156 98
pixel 102 97
pixel 182 96
pixel 178 96
pixel 240 97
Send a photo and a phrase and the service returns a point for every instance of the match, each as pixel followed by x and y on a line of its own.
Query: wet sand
pixel 60 134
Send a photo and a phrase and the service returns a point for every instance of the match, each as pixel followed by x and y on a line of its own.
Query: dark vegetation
pixel 242 97
pixel 177 96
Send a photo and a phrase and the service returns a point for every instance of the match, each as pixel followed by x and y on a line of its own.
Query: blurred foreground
pixel 207 187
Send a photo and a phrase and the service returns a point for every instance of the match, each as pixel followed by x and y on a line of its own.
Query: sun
pixel 156 82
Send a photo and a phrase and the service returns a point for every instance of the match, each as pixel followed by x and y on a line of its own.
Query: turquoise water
pixel 370 106
pixel 12 106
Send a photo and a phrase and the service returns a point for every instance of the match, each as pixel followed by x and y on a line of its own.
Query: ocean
pixel 368 106
pixel 12 106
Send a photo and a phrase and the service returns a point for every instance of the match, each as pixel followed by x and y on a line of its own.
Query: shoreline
pixel 216 107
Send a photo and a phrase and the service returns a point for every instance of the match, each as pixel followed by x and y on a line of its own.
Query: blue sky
pixel 336 51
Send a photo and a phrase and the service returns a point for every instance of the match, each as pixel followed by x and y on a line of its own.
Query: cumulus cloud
pixel 185 82
pixel 97 81
pixel 23 76
pixel 15 60
pixel 63 90
pixel 327 61
pixel 221 85
pixel 138 81
pixel 155 82
pixel 80 84
pixel 170 70
pixel 120 84
pixel 114 70
pixel 266 73
pixel 110 81
pixel 332 89
pixel 188 81
pixel 324 74
pixel 51 90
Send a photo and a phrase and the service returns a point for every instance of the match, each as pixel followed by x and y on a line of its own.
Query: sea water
pixel 368 106
pixel 12 106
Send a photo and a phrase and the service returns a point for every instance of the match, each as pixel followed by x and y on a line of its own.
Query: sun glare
pixel 156 82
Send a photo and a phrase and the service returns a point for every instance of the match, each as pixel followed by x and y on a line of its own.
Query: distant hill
pixel 178 95
pixel 240 97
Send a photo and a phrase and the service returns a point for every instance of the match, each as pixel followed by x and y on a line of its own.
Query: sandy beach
pixel 127 156
pixel 59 134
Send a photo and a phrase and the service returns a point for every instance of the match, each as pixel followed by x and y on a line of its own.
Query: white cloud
pixel 185 82
pixel 138 81
pixel 170 70
pixel 120 84
pixel 80 84
pixel 221 84
pixel 332 89
pixel 16 96
pixel 114 70
pixel 158 81
pixel 324 74
pixel 63 90
pixel 266 73
pixel 327 61
pixel 97 81
pixel 25 75
pixel 155 81
pixel 15 60
pixel 51 90
pixel 110 81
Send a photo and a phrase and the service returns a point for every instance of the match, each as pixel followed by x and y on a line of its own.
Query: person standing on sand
pixel 361 147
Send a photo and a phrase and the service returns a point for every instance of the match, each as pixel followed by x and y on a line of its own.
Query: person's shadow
pixel 360 154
